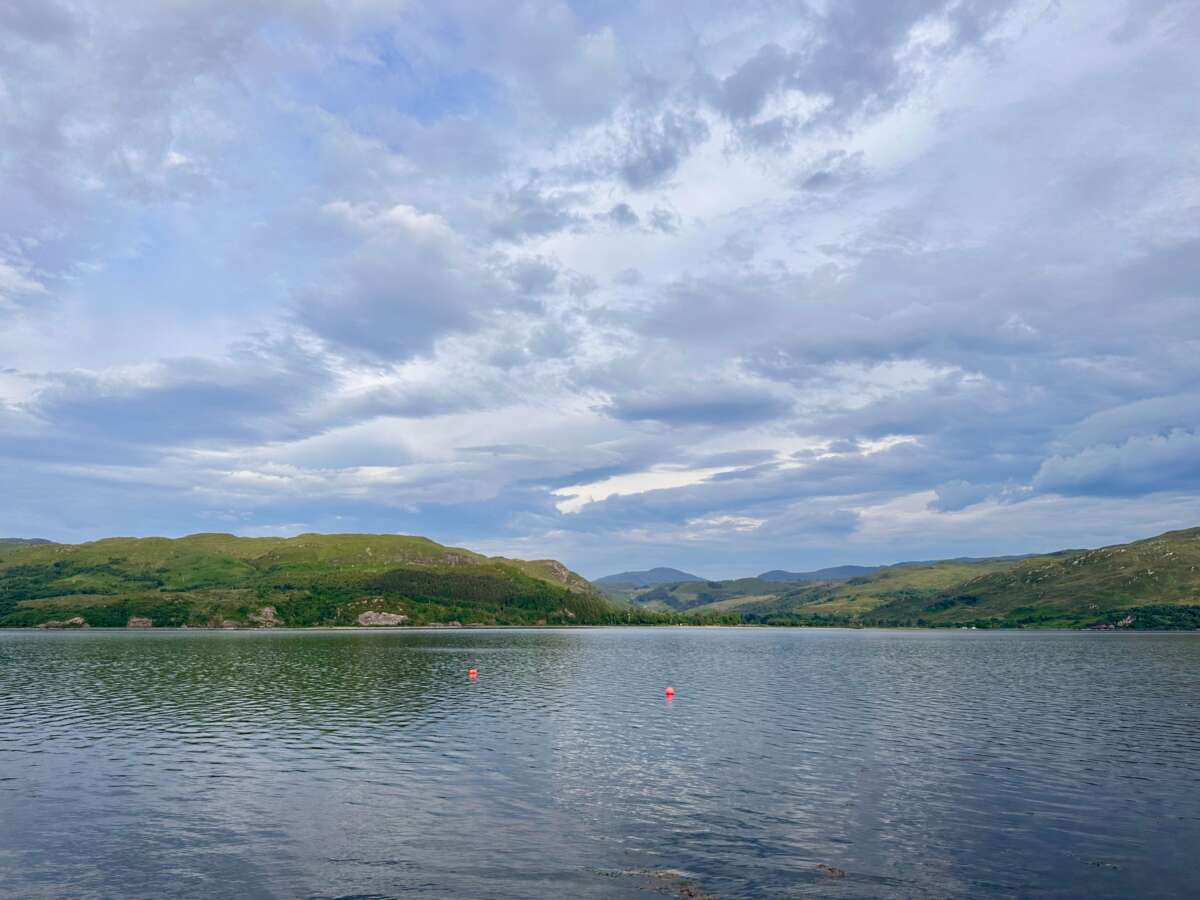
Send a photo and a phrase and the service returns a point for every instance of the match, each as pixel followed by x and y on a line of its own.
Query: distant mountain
pixel 645 578
pixel 833 573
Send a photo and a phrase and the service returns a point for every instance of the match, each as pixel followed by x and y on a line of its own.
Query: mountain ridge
pixel 310 579
pixel 830 573
pixel 646 577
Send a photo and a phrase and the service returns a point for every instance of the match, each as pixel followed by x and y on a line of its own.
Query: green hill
pixel 1153 583
pixel 711 595
pixel 833 573
pixel 645 578
pixel 220 579
pixel 9 544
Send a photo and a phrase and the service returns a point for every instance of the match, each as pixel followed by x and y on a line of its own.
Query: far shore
pixel 394 629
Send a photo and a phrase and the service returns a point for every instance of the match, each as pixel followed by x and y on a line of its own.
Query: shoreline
pixel 400 629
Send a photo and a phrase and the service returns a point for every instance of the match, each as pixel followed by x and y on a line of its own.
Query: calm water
pixel 353 764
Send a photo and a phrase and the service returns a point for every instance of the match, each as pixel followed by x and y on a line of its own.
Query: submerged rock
pixel 831 871
pixel 668 882
pixel 371 617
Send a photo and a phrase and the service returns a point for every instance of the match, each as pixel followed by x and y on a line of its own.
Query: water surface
pixel 366 764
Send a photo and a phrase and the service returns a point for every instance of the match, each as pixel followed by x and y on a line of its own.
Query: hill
pixel 645 578
pixel 9 544
pixel 1153 583
pixel 712 596
pixel 312 579
pixel 833 573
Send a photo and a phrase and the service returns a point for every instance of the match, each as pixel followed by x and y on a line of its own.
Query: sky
pixel 723 286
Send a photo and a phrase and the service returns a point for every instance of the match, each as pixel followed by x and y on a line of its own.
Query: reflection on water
pixel 321 764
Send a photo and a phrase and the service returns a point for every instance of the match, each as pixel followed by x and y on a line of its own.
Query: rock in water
pixel 371 617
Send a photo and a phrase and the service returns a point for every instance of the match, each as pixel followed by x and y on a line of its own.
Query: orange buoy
pixel 670 693
pixel 471 673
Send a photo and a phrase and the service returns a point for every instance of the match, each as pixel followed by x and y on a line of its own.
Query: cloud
pixel 529 212
pixel 16 286
pixel 955 495
pixel 1141 465
pixel 843 61
pixel 657 148
pixel 623 216
pixel 727 405
pixel 258 392
pixel 762 287
pixel 411 280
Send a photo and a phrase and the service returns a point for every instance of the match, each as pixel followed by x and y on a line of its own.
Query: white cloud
pixel 659 478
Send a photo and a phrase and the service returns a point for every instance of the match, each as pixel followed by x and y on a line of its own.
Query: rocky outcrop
pixel 139 622
pixel 73 622
pixel 267 617
pixel 570 580
pixel 372 618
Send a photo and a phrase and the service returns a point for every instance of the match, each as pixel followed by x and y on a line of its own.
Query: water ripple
pixel 791 763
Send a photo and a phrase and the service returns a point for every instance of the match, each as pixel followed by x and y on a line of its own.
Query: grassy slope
pixel 853 599
pixel 689 595
pixel 1155 582
pixel 309 579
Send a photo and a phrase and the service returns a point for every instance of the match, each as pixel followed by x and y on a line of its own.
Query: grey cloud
pixel 718 401
pixel 1140 465
pixel 623 215
pixel 411 281
pixel 657 148
pixel 258 392
pixel 696 410
pixel 833 171
pixel 847 55
pixel 551 341
pixel 528 211
pixel 955 495
pixel 742 94
pixel 819 181
pixel 1152 416
pixel 38 20
pixel 664 220
pixel 533 276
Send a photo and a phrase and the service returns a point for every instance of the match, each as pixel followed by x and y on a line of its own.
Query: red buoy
pixel 670 692
pixel 471 673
